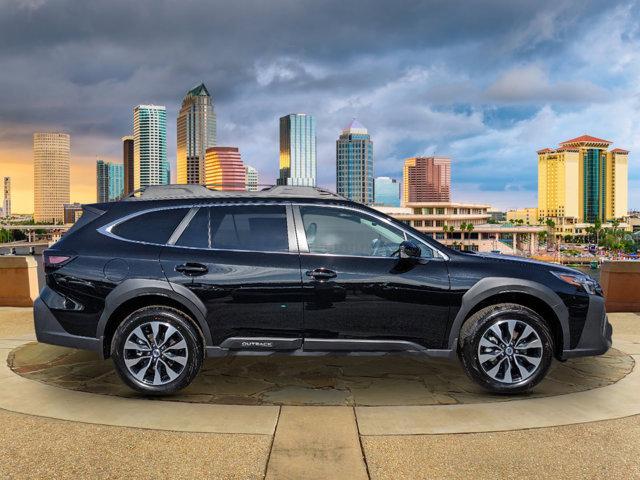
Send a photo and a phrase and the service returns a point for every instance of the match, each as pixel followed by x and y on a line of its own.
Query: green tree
pixel 470 228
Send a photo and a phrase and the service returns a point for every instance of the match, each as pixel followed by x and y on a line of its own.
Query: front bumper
pixel 596 334
pixel 49 330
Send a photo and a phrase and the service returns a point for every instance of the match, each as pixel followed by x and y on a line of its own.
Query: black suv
pixel 169 275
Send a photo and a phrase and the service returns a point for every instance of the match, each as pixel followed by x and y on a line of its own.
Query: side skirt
pixel 255 346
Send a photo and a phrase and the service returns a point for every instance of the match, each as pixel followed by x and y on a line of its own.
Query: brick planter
pixel 621 284
pixel 18 281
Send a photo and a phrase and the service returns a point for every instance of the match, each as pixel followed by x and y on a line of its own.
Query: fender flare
pixel 490 286
pixel 136 288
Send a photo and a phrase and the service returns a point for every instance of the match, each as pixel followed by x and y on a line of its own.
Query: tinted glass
pixel 261 228
pixel 152 227
pixel 345 232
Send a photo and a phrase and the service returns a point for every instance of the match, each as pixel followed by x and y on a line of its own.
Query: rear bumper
pixel 596 335
pixel 49 330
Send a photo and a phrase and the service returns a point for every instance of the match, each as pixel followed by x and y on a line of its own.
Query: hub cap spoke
pixel 155 353
pixel 510 351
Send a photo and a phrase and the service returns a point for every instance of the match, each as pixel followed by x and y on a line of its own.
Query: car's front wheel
pixel 157 350
pixel 506 348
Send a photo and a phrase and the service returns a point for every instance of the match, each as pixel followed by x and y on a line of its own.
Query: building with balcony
pixel 443 221
pixel 582 181
pixel 224 169
pixel 528 216
pixel 150 165
pixel 354 164
pixel 426 179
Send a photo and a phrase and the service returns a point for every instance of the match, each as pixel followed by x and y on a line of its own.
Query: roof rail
pixel 168 192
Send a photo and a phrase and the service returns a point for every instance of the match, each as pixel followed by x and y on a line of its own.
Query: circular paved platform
pixel 281 380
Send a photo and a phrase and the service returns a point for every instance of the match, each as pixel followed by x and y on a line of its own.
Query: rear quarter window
pixel 151 227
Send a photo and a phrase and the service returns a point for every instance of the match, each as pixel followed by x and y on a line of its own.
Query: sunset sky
pixel 486 83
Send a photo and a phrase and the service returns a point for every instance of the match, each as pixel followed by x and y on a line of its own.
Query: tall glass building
pixel 150 165
pixel 196 131
pixel 109 181
pixel 298 150
pixel 387 192
pixel 354 164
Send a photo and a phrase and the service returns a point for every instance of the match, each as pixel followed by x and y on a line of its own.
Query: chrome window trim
pixel 107 229
pixel 298 215
pixel 182 226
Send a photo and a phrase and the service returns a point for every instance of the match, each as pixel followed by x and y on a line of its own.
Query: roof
pixel 619 150
pixel 199 91
pixel 176 192
pixel 355 127
pixel 586 139
pixel 545 150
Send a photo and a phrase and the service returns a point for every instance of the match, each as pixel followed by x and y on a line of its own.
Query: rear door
pixel 242 261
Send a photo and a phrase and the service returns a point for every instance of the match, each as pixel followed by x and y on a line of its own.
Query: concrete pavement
pixel 321 442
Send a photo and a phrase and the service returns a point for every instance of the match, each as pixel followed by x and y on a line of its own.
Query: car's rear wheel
pixel 506 348
pixel 157 350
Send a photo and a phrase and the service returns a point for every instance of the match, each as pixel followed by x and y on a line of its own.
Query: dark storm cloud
pixel 417 73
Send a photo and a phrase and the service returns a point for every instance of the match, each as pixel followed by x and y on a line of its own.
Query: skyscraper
pixel 150 165
pixel 7 197
pixel 196 131
pixel 581 180
pixel 224 168
pixel 127 162
pixel 426 179
pixel 102 182
pixel 387 192
pixel 354 163
pixel 298 150
pixel 109 181
pixel 51 157
pixel 251 178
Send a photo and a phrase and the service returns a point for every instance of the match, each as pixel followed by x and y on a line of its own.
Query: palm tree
pixel 463 228
pixel 550 226
pixel 469 229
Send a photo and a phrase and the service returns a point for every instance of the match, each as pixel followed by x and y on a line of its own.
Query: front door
pixel 356 288
pixel 240 262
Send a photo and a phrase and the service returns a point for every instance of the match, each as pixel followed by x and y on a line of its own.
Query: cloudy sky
pixel 486 83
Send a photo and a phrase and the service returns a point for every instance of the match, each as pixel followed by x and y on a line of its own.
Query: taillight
pixel 56 260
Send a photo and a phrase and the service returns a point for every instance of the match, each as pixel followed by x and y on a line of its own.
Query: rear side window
pixel 260 228
pixel 151 227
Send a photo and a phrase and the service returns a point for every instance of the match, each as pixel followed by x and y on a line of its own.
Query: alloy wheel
pixel 155 353
pixel 510 351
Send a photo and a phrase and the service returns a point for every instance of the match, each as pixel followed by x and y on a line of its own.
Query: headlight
pixel 585 282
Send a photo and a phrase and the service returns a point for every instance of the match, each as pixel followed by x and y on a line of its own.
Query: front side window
pixel 260 228
pixel 345 232
pixel 151 227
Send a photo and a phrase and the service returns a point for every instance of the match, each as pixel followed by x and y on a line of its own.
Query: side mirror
pixel 409 251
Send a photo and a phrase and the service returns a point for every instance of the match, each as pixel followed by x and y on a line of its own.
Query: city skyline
pixel 485 97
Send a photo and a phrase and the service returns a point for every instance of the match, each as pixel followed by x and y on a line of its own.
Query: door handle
pixel 321 274
pixel 192 269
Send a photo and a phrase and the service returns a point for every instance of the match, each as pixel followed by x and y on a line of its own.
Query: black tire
pixel 515 373
pixel 165 355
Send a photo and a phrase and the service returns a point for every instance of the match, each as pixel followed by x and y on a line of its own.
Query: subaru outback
pixel 174 274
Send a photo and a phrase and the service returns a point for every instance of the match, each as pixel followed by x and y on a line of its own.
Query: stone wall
pixel 18 281
pixel 621 284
